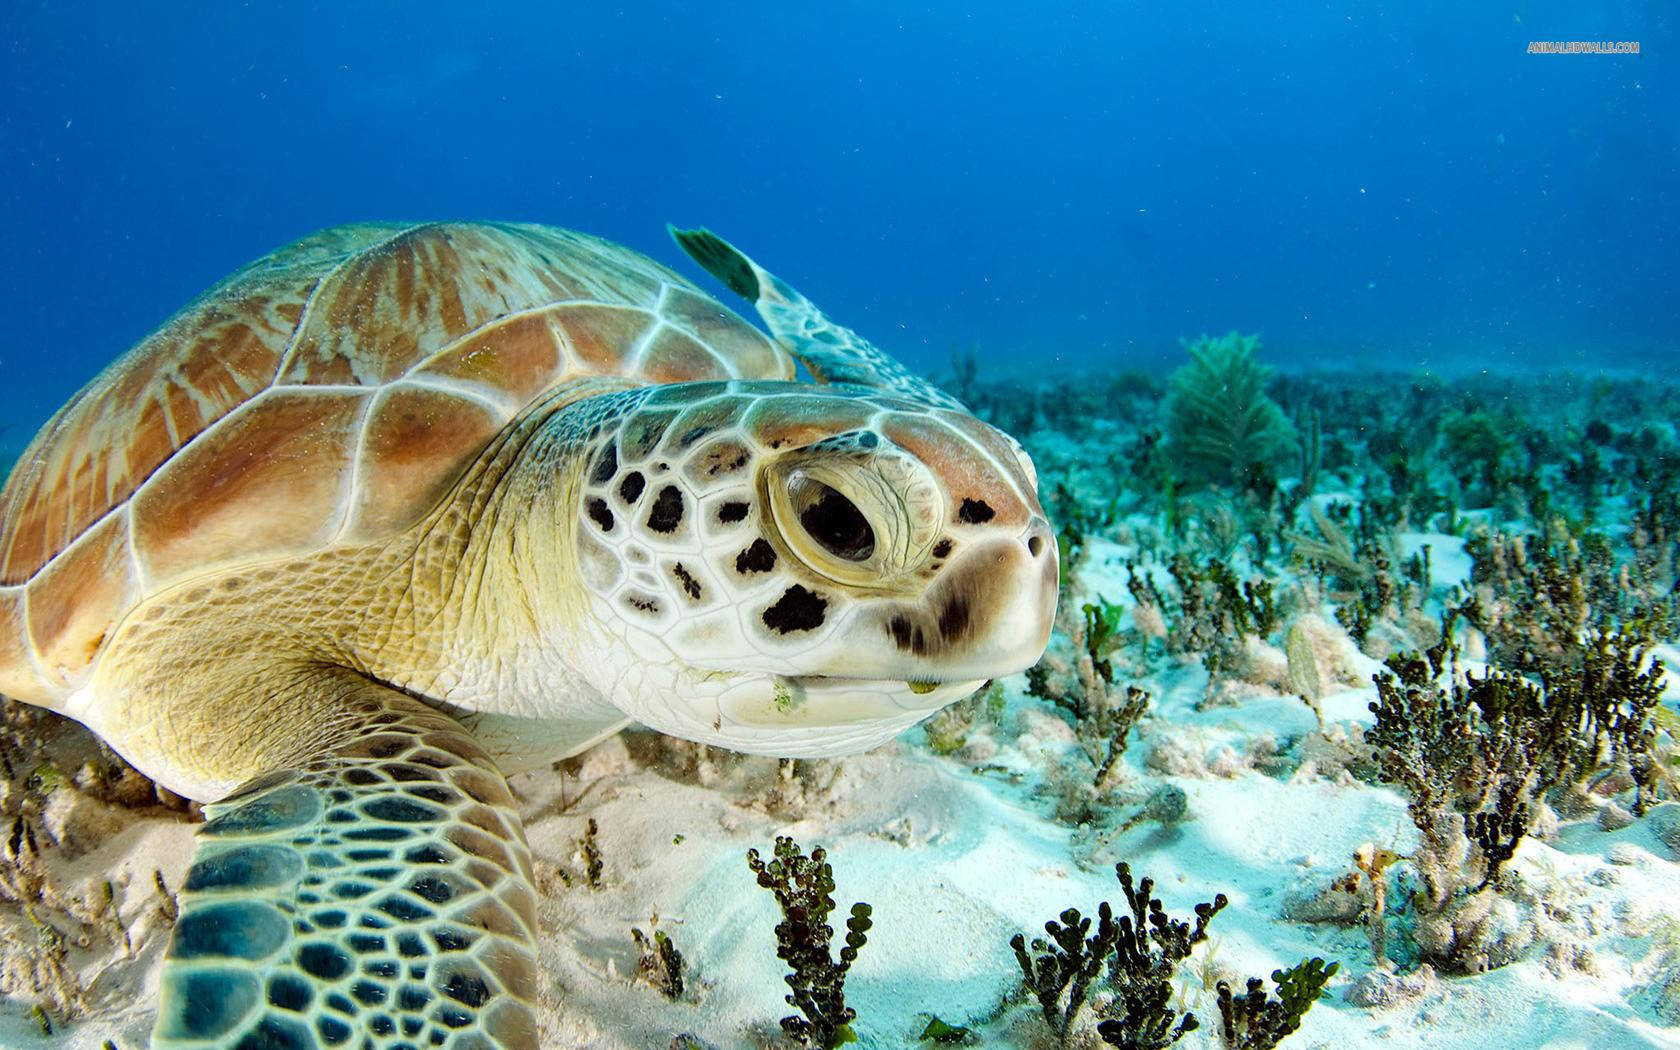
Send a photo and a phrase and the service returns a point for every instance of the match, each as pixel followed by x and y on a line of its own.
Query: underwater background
pixel 1366 607
pixel 1075 186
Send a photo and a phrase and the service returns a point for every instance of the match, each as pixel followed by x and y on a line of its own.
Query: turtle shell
pixel 329 393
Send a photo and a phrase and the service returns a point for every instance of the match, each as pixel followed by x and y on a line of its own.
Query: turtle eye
pixel 831 519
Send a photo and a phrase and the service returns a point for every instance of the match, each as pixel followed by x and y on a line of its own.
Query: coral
pixel 804 888
pixel 1256 1021
pixel 1222 428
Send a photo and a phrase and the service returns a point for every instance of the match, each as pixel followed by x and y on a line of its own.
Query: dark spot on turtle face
pixel 630 489
pixel 907 635
pixel 975 512
pixel 667 512
pixel 410 945
pixel 797 610
pixel 367 942
pixel 606 465
pixel 379 1024
pixel 641 603
pixel 954 618
pixel 731 512
pixel 760 557
pixel 367 993
pixel 942 549
pixel 690 585
pixel 599 513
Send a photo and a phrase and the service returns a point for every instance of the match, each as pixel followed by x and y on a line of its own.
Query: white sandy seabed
pixel 956 861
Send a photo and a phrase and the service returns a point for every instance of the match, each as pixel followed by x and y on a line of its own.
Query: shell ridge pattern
pixel 353 476
pixel 288 356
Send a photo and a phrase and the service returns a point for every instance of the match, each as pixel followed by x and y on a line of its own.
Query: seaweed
pixel 660 964
pixel 804 887
pixel 1476 754
pixel 1139 952
pixel 1256 1021
pixel 1147 951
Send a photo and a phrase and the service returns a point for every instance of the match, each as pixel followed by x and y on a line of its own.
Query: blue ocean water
pixel 1062 186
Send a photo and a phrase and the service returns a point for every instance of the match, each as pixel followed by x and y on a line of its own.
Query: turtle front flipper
pixel 833 353
pixel 380 889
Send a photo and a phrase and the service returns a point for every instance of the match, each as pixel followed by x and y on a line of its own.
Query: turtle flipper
pixel 833 353
pixel 382 889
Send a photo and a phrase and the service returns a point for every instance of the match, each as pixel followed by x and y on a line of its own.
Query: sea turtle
pixel 400 508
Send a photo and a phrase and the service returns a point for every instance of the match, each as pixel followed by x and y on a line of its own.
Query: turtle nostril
pixel 1035 545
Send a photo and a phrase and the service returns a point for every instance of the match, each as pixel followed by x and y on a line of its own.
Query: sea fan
pixel 1222 428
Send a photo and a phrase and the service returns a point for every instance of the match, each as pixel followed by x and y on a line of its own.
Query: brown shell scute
pixel 331 392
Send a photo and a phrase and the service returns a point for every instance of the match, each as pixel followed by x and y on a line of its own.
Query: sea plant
pixel 804 888
pixel 1147 950
pixel 660 964
pixel 1257 1021
pixel 1476 754
pixel 1477 448
pixel 1222 427
pixel 1139 951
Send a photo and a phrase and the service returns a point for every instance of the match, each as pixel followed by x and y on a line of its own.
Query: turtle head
pixel 799 570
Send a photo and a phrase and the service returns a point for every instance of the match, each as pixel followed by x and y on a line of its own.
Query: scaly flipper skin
pixel 378 896
pixel 833 352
